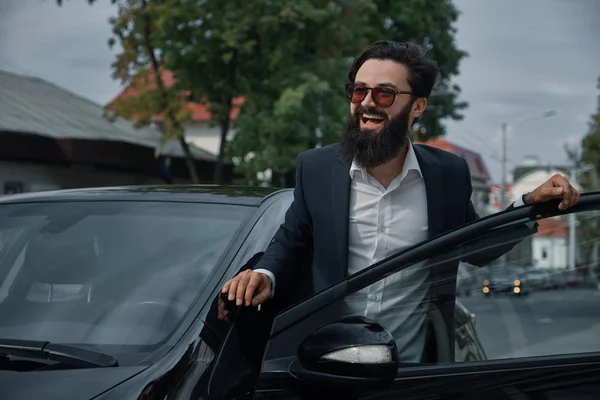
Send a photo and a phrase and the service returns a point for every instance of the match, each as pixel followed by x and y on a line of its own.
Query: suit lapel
pixel 340 196
pixel 432 175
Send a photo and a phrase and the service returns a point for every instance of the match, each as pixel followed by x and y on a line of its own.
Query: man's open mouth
pixel 372 119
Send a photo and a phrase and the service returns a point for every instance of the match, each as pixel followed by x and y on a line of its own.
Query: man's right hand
pixel 248 288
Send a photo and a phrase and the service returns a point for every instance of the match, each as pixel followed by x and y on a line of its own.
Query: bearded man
pixel 374 194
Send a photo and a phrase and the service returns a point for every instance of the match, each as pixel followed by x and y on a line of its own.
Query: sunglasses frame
pixel 374 97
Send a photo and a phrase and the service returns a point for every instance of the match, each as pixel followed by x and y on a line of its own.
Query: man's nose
pixel 368 101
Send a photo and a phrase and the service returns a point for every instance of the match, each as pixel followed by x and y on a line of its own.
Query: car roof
pixel 237 195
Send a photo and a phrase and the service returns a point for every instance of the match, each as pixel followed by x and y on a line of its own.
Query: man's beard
pixel 370 148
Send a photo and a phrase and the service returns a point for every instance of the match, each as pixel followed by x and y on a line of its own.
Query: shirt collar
pixel 410 163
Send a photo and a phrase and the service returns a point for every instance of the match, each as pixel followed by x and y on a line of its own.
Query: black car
pixel 113 293
pixel 504 281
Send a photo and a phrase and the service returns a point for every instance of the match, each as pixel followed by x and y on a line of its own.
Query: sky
pixel 526 57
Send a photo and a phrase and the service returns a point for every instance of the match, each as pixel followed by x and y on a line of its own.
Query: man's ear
pixel 418 107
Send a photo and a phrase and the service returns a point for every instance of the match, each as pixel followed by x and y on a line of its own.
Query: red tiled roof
pixel 476 164
pixel 552 228
pixel 199 112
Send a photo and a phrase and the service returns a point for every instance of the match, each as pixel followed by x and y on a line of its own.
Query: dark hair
pixel 423 70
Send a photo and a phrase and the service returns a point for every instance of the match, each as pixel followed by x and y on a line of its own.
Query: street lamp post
pixel 503 160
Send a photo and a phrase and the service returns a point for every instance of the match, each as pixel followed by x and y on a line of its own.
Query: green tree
pixel 288 59
pixel 278 55
pixel 589 229
pixel 207 45
pixel 590 145
pixel 299 102
pixel 431 24
pixel 137 28
pixel 295 97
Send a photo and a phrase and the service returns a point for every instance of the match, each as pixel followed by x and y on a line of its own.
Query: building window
pixel 544 253
pixel 13 187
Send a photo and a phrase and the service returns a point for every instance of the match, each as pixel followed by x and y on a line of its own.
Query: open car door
pixel 541 346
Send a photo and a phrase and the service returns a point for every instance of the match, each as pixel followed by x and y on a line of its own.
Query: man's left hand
pixel 557 187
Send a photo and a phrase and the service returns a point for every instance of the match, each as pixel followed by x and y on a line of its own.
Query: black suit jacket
pixel 315 231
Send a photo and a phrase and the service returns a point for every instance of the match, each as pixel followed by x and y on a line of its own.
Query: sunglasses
pixel 382 96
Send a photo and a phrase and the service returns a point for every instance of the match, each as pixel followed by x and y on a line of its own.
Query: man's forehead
pixel 382 73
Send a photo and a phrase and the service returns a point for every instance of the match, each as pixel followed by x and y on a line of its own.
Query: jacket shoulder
pixel 441 157
pixel 320 154
pixel 329 150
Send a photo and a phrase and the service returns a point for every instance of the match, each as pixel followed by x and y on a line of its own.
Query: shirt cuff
pixel 518 203
pixel 270 275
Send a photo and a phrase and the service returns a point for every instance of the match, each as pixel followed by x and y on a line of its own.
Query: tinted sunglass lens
pixel 358 94
pixel 383 97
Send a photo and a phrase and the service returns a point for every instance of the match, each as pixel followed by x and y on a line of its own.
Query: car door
pixel 541 346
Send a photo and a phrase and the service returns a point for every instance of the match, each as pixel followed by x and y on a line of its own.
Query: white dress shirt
pixel 384 221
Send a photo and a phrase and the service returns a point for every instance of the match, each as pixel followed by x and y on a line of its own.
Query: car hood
pixel 81 384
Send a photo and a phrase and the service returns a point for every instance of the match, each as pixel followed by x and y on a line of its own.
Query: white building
pixel 550 249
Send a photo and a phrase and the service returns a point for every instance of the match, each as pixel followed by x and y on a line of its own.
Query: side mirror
pixel 355 351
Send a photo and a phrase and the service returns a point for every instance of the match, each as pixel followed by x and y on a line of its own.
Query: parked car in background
pixel 572 278
pixel 537 279
pixel 500 280
pixel 557 279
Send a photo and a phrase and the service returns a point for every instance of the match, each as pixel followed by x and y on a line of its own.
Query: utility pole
pixel 572 223
pixel 572 218
pixel 503 161
pixel 503 181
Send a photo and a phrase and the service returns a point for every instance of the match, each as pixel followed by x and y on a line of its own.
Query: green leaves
pixel 590 154
pixel 590 145
pixel 295 97
pixel 288 59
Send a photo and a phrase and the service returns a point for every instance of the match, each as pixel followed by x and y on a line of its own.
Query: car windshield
pixel 107 273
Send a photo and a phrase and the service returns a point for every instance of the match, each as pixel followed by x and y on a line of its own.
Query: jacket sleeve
pixel 293 240
pixel 493 245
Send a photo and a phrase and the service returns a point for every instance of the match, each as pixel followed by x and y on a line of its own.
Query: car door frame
pixel 291 326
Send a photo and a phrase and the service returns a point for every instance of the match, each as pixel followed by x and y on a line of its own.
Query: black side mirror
pixel 353 352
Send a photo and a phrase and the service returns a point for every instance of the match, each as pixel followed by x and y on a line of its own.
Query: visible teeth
pixel 372 116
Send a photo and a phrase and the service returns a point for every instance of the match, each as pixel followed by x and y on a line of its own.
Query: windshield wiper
pixel 67 354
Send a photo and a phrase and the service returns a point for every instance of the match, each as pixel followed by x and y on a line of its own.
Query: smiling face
pixel 378 127
pixel 384 74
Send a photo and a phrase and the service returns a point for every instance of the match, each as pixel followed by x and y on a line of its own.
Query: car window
pixel 107 273
pixel 516 310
